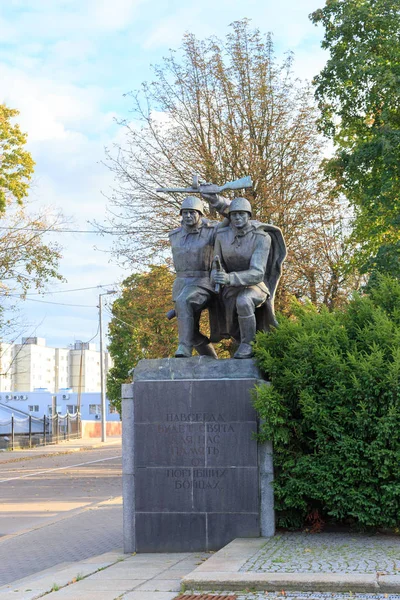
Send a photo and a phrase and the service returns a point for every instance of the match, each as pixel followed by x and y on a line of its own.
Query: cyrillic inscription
pixel 200 479
pixel 194 435
pixel 189 417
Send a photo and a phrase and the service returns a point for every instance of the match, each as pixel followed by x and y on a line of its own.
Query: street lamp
pixel 102 394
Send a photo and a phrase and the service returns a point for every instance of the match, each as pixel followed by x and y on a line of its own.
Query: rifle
pixel 199 187
pixel 218 268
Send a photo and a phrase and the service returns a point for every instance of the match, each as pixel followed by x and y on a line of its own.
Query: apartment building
pixel 84 361
pixel 62 368
pixel 32 365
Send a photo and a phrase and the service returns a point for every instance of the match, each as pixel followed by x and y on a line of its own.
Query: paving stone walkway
pixel 327 553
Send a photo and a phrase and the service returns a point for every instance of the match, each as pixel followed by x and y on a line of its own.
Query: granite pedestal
pixel 193 476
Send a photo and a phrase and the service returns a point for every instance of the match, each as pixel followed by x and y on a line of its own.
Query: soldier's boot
pixel 247 326
pixel 203 346
pixel 185 330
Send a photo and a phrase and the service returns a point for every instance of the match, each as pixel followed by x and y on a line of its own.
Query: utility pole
pixel 102 382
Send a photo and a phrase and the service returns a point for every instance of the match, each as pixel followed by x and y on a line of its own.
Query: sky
pixel 66 65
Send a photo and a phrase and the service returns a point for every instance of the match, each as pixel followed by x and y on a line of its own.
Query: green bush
pixel 332 410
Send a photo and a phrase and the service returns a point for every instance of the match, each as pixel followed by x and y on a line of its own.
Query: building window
pixel 72 409
pixel 111 409
pixel 33 408
pixel 94 409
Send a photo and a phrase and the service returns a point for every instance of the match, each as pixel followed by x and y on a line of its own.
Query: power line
pixel 47 230
pixel 121 321
pixel 93 287
pixel 95 335
pixel 58 303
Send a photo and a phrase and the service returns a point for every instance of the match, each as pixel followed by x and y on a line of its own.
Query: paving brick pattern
pixel 327 553
pixel 87 534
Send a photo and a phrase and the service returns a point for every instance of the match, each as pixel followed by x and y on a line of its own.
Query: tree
pixel 359 94
pixel 139 327
pixel 16 163
pixel 226 108
pixel 26 260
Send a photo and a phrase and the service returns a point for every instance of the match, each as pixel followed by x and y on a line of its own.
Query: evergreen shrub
pixel 332 410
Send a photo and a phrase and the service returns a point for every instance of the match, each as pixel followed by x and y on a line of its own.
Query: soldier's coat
pixel 253 258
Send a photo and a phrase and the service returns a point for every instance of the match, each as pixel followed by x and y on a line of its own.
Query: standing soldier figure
pixel 251 255
pixel 192 250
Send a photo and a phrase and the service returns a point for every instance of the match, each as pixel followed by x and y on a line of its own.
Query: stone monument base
pixel 193 476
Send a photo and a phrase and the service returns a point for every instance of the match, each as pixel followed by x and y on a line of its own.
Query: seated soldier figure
pixel 251 254
pixel 192 250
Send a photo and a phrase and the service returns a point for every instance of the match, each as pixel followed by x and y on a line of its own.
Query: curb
pixel 296 582
pixel 222 572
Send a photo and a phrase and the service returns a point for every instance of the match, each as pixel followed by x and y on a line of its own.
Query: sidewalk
pixel 295 565
pixel 62 447
pixel 108 577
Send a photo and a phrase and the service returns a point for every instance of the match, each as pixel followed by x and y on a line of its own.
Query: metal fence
pixel 31 431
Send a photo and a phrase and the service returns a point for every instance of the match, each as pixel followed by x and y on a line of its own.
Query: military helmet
pixel 240 204
pixel 192 203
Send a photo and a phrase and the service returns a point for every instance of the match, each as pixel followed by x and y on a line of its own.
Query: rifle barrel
pixel 181 190
pixel 210 188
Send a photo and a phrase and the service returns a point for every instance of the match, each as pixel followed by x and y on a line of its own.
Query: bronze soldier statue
pixel 192 249
pixel 250 256
pixel 247 261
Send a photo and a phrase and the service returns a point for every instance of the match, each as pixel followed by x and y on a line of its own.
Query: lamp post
pixel 102 386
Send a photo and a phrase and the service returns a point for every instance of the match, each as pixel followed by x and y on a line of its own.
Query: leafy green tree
pixel 332 410
pixel 16 163
pixel 358 93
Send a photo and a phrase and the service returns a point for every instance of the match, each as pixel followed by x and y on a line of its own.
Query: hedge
pixel 332 411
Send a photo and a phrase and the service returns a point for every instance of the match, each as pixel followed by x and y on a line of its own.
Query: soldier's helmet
pixel 192 203
pixel 239 204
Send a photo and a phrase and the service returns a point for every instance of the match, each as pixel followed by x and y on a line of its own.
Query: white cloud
pixel 50 20
pixel 169 31
pixel 114 14
pixel 287 20
pixel 72 50
pixel 51 109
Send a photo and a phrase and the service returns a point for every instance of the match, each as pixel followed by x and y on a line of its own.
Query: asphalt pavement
pixel 58 506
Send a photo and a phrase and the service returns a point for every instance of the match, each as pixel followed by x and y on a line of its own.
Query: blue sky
pixel 65 65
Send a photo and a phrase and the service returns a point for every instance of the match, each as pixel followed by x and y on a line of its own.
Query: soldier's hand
pixel 221 277
pixel 211 198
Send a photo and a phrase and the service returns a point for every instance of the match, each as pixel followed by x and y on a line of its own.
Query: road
pixel 58 509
